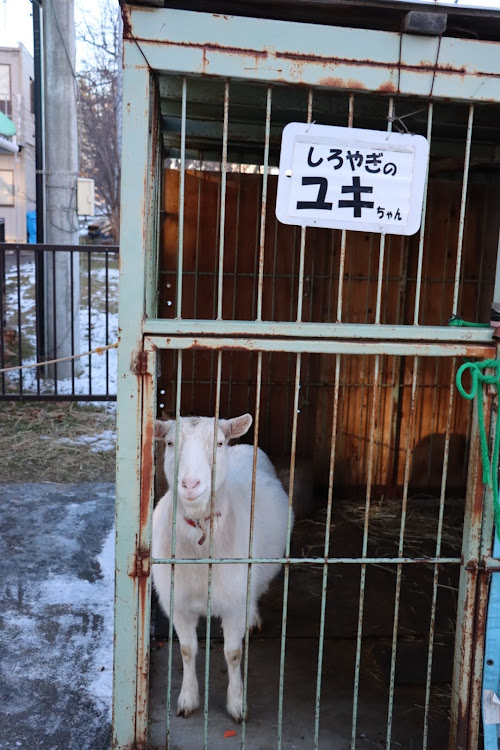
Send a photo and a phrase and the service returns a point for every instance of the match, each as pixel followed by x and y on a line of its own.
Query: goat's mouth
pixel 196 508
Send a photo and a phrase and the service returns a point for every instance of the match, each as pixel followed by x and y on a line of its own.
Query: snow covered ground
pixel 56 615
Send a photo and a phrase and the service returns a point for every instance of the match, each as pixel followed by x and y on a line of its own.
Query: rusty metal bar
pixel 298 363
pixel 144 547
pixel 463 202
pixel 300 291
pixel 250 548
pixel 430 110
pixel 324 346
pixel 174 545
pixel 312 560
pixel 467 592
pixel 490 565
pixel 369 479
pixel 442 498
pixel 263 209
pixel 307 330
pixel 222 223
pixel 182 182
pixel 211 547
pixel 326 551
pixel 404 505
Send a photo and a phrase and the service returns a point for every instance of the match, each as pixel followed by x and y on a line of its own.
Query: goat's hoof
pixel 235 710
pixel 185 706
pixel 258 628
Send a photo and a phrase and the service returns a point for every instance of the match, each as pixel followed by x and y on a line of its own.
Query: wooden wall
pixel 281 260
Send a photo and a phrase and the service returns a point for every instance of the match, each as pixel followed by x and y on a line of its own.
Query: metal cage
pixel 338 344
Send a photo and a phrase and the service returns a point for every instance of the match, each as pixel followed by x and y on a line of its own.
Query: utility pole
pixel 62 281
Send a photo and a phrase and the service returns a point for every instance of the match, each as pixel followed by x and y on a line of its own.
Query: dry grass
pixel 48 442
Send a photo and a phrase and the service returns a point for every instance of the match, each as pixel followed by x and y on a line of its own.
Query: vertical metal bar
pixel 54 292
pixel 135 175
pixel 467 591
pixel 400 551
pixel 326 550
pixel 250 546
pixel 72 318
pixel 287 551
pixel 486 549
pixel 373 409
pixel 300 291
pixel 174 544
pixel 442 498
pixel 263 208
pixel 106 293
pixel 223 199
pixel 19 324
pixel 89 276
pixel 196 270
pixel 3 314
pixel 418 287
pixel 182 178
pixel 458 265
pixel 235 278
pixel 144 546
pixel 369 481
pixel 343 235
pixel 211 550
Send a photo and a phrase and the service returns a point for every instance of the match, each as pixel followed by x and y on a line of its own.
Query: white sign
pixel 348 178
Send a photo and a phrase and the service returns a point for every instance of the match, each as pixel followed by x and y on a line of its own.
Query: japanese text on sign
pixel 351 178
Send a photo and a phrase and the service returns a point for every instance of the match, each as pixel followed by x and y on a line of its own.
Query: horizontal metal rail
pixel 305 560
pixel 296 330
pixel 325 346
pixel 27 247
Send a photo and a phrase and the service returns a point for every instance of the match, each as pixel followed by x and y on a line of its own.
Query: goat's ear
pixel 236 427
pixel 161 429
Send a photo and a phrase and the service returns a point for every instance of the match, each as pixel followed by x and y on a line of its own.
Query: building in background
pixel 17 149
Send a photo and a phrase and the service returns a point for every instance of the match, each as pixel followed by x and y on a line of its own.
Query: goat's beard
pixel 196 510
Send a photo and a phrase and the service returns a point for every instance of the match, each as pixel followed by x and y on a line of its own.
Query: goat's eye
pixel 170 444
pixel 220 444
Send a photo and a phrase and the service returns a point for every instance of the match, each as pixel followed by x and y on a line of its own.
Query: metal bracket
pixel 139 565
pixel 486 565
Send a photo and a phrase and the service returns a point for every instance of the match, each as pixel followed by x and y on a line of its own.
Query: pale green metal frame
pixel 173 41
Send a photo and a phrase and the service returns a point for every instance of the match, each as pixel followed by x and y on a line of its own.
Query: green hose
pixel 479 378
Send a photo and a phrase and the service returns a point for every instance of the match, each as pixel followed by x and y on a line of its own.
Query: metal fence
pixel 30 329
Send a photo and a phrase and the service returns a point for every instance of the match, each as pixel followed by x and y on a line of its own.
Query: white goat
pixel 231 529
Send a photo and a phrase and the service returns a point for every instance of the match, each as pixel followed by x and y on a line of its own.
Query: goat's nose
pixel 190 484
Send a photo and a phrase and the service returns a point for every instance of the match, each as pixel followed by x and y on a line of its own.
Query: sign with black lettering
pixel 349 178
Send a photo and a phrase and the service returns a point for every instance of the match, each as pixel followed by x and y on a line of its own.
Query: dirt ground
pixel 57 442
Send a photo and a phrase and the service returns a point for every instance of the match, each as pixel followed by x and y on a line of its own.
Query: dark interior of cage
pixel 380 453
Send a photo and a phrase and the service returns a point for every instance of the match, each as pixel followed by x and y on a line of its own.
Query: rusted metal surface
pixel 144 541
pixel 305 330
pixel 467 598
pixel 326 347
pixel 389 62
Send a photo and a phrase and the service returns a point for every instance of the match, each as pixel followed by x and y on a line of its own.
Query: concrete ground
pixel 56 615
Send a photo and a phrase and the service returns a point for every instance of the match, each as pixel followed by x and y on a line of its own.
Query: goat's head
pixel 196 457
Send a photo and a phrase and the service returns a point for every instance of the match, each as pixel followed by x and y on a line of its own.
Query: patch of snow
pixel 69 596
pixel 99 443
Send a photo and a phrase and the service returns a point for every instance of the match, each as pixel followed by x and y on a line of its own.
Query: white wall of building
pixel 20 166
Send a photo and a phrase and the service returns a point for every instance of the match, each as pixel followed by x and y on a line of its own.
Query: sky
pixel 16 24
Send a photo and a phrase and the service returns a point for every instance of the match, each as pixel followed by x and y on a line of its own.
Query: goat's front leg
pixel 234 630
pixel 189 699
